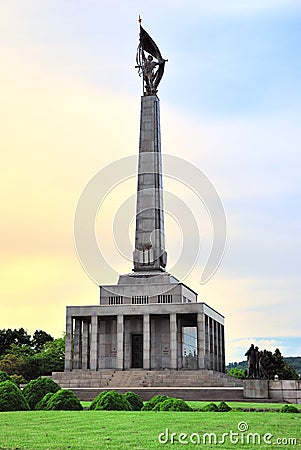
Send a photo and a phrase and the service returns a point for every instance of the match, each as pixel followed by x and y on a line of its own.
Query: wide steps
pixel 110 378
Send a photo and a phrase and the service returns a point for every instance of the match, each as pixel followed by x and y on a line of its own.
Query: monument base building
pixel 149 320
pixel 134 328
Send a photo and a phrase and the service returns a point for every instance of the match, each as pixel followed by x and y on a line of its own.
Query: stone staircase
pixel 139 378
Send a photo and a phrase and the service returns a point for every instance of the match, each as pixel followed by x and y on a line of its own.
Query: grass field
pixel 60 430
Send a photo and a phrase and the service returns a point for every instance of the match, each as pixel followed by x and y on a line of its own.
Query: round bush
pixel 134 400
pixel 289 409
pixel 96 399
pixel 211 407
pixel 11 397
pixel 35 390
pixel 112 401
pixel 172 404
pixel 151 404
pixel 43 404
pixel 223 407
pixel 63 400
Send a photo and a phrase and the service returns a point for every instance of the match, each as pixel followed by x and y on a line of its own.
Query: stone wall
pixel 288 391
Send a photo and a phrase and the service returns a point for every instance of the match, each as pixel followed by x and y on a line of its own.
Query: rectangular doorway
pixel 137 351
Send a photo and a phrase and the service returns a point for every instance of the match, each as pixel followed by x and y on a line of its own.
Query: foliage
pixel 289 409
pixel 237 373
pixel 42 404
pixel 223 407
pixel 211 407
pixel 97 399
pixel 172 404
pixel 274 364
pixel 63 400
pixel 11 397
pixel 112 401
pixel 134 400
pixel 151 404
pixel 4 377
pixel 292 366
pixel 18 379
pixel 39 339
pixel 12 364
pixel 35 390
pixel 9 337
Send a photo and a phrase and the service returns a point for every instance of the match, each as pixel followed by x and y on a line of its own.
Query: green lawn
pixel 95 430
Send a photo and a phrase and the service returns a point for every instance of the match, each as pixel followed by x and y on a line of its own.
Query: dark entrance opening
pixel 137 351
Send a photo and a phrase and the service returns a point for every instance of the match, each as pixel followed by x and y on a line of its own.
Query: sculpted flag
pixel 148 45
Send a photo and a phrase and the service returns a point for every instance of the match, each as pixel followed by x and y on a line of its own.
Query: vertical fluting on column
pixel 149 253
pixel 223 369
pixel 201 340
pixel 146 341
pixel 120 342
pixel 69 339
pixel 173 340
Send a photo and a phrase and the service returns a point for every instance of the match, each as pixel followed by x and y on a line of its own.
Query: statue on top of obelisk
pixel 151 69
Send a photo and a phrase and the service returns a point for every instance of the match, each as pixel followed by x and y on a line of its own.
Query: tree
pixel 39 339
pixel 13 337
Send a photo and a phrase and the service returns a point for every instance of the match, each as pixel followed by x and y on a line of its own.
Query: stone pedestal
pixel 256 389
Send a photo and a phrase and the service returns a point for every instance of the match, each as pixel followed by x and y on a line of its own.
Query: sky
pixel 230 105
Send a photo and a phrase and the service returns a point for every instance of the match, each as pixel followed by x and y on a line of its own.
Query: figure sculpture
pixel 151 70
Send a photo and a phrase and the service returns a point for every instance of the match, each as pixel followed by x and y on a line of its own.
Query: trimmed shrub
pixel 11 397
pixel 43 404
pixel 112 401
pixel 63 400
pixel 96 399
pixel 35 390
pixel 18 379
pixel 172 404
pixel 134 400
pixel 289 409
pixel 211 407
pixel 223 407
pixel 151 404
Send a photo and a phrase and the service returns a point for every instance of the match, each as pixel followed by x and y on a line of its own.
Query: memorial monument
pixel 149 319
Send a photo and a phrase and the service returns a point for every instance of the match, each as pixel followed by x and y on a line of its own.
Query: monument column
pixel 201 340
pixel 94 343
pixel 149 253
pixel 69 338
pixel 120 342
pixel 146 341
pixel 77 343
pixel 173 340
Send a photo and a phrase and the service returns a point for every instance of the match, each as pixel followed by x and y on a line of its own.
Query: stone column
pixel 85 345
pixel 77 343
pixel 146 341
pixel 94 343
pixel 211 343
pixel 220 348
pixel 120 342
pixel 207 344
pixel 68 347
pixel 201 340
pixel 173 340
pixel 223 348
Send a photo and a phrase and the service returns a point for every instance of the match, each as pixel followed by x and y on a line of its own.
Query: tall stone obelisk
pixel 149 251
pixel 149 254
